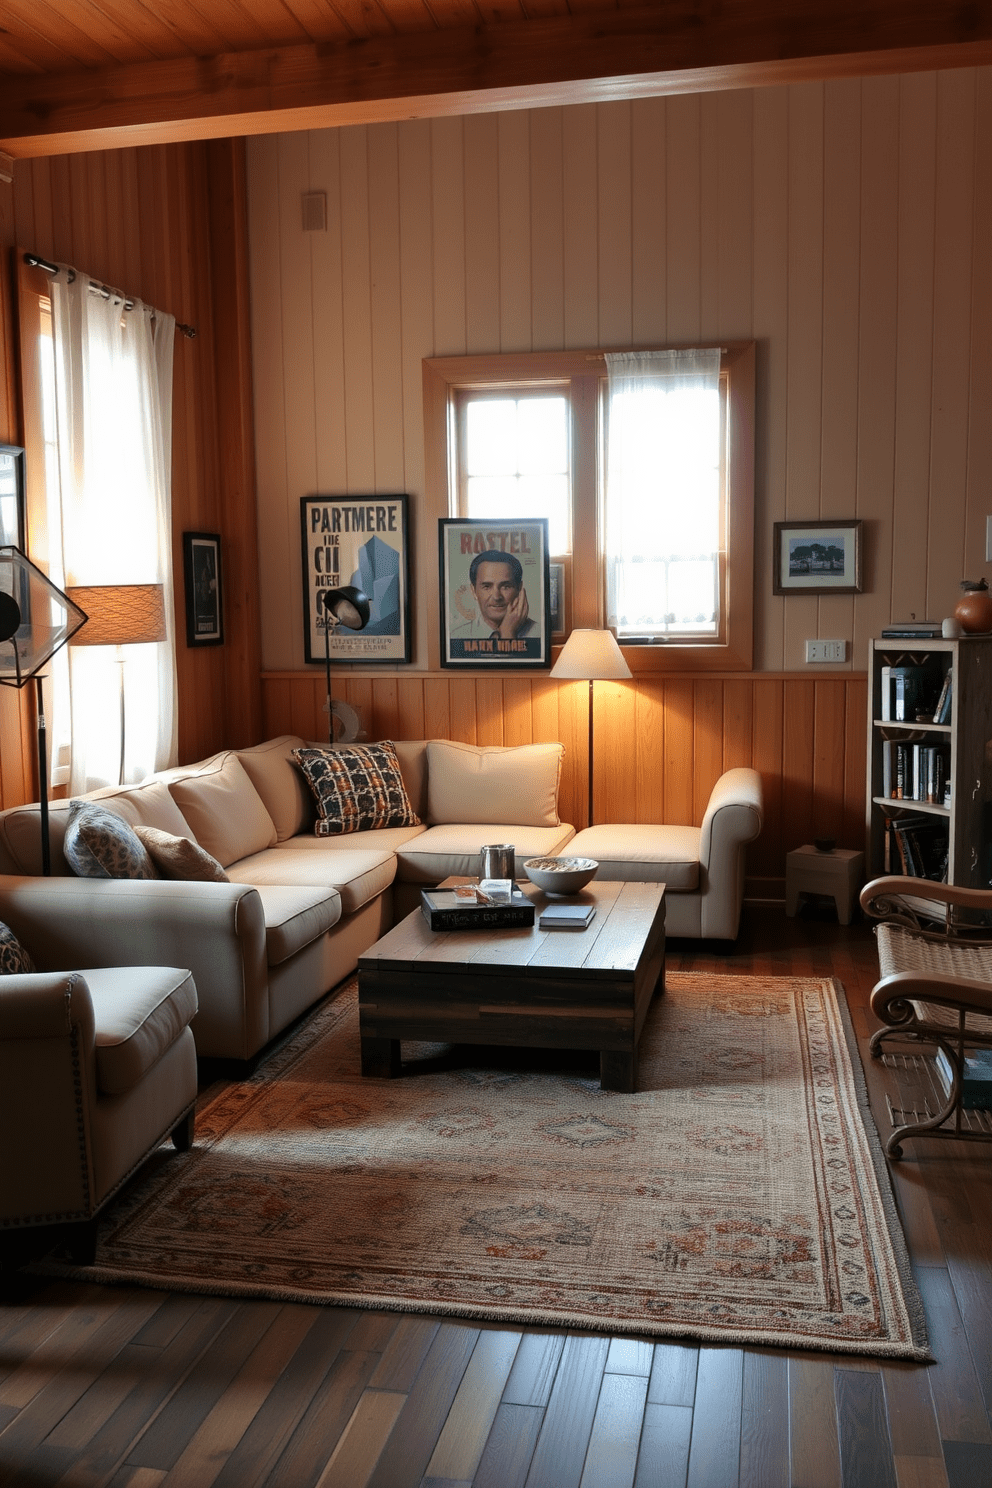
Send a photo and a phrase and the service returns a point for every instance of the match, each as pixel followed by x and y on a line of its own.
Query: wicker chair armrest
pixel 928 908
pixel 892 998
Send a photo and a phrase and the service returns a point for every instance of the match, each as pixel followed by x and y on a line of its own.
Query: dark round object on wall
pixel 825 844
pixel 10 616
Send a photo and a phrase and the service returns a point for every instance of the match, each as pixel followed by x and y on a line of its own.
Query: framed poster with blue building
pixel 356 583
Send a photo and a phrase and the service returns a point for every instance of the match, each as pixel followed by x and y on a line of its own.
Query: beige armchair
pixel 935 959
pixel 97 1068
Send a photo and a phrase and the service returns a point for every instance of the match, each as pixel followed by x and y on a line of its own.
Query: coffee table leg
pixel 617 1071
pixel 381 1057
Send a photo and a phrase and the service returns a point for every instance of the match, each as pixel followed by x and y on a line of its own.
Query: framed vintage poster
pixel 204 596
pixel 356 581
pixel 11 496
pixel 494 592
pixel 817 557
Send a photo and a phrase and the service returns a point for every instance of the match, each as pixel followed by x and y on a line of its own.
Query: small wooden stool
pixel 838 874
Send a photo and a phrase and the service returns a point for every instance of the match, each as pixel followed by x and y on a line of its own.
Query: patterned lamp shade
pixel 120 614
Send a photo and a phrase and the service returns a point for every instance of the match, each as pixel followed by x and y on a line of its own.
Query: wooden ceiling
pixel 97 74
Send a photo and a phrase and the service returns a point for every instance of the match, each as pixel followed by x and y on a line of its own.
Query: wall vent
pixel 315 211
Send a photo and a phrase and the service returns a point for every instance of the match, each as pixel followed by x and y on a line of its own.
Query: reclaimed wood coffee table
pixel 551 989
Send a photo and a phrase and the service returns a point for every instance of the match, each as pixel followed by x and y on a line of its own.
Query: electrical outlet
pixel 826 650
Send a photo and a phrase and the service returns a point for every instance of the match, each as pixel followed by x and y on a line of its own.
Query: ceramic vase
pixel 974 608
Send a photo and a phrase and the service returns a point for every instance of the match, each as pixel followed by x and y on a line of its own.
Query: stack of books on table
pixel 565 916
pixel 444 909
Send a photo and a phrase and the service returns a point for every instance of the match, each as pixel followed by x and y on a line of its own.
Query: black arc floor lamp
pixel 351 608
pixel 36 619
pixel 592 656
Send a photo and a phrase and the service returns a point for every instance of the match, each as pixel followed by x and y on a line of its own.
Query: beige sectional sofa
pixel 299 909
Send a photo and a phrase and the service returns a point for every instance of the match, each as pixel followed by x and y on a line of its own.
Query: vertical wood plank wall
pixel 842 225
pixel 167 224
pixel 660 742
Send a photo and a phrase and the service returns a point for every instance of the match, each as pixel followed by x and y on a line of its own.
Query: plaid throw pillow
pixel 357 788
pixel 14 959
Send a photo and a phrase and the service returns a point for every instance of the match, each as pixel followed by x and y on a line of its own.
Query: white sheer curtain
pixel 662 517
pixel 110 522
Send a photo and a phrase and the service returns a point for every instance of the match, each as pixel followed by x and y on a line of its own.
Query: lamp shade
pixel 591 655
pixel 36 618
pixel 120 614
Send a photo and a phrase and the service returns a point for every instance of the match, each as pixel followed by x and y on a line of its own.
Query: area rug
pixel 740 1196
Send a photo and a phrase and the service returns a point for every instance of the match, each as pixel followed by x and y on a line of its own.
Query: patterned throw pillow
pixel 14 959
pixel 179 857
pixel 99 844
pixel 357 787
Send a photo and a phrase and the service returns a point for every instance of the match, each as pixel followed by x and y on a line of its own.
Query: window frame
pixel 583 372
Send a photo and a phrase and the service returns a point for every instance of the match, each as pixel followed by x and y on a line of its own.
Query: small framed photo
pixel 12 489
pixel 204 595
pixel 817 557
pixel 558 600
pixel 356 578
pixel 495 592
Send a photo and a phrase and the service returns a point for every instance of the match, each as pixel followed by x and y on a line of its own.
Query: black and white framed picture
pixel 356 581
pixel 204 595
pixel 495 592
pixel 817 557
pixel 12 496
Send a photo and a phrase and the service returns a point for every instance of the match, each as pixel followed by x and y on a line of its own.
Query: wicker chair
pixel 935 959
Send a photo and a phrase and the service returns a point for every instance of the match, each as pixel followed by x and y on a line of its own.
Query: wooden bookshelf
pixel 966 740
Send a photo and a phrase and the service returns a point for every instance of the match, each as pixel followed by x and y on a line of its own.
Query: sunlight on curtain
pixel 662 502
pixel 109 412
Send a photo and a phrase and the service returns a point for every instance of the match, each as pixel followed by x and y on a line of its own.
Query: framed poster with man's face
pixel 495 592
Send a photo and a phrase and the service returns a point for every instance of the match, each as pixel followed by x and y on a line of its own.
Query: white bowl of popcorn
pixel 561 875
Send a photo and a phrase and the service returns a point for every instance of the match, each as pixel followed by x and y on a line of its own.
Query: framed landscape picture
pixel 495 592
pixel 356 582
pixel 817 557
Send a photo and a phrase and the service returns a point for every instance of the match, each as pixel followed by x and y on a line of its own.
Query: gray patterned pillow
pixel 14 959
pixel 357 788
pixel 99 844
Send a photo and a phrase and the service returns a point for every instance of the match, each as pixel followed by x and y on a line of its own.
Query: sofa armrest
pixel 217 930
pixel 47 1093
pixel 733 818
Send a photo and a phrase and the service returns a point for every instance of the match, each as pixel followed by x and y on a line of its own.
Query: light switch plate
pixel 826 651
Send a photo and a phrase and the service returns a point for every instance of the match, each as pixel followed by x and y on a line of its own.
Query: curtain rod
pixel 34 262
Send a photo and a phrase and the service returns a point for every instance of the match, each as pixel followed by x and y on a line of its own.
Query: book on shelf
pixel 915 771
pixel 976 1078
pixel 444 910
pixel 912 630
pixel 916 846
pixel 942 707
pixel 566 916
pixel 905 691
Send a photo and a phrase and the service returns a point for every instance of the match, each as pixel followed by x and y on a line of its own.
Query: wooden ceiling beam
pixel 682 46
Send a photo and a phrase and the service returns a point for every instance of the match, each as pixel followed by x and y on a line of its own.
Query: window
pixel 643 465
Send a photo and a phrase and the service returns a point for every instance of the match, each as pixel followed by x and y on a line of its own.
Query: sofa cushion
pixel 295 916
pixel 449 850
pixel 358 876
pixel 100 844
pixel 148 803
pixel 139 1012
pixel 179 857
pixel 643 853
pixel 273 772
pixel 356 787
pixel 14 959
pixel 224 810
pixel 494 785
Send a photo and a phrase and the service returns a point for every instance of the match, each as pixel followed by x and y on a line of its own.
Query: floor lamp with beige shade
pixel 120 615
pixel 592 656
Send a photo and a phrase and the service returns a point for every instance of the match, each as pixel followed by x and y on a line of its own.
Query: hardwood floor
pixel 137 1388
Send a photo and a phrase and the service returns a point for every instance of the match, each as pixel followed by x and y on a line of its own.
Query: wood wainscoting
pixel 660 741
